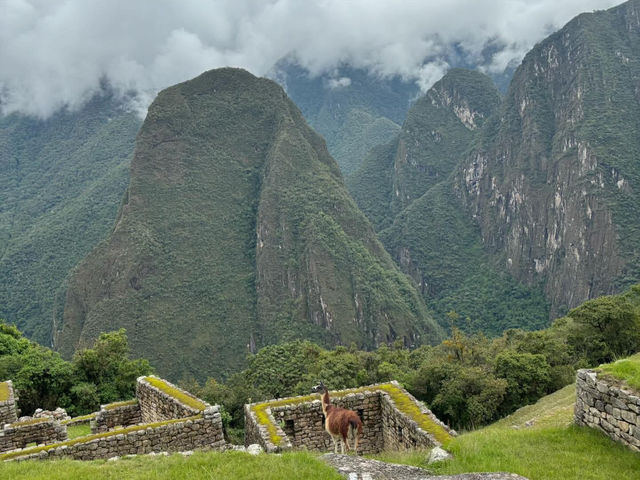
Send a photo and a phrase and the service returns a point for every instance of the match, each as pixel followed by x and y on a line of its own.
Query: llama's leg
pixel 335 444
pixel 355 449
pixel 342 445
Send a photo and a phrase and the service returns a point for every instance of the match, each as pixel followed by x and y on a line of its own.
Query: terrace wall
pixel 603 405
pixel 111 416
pixel 40 431
pixel 189 434
pixel 156 405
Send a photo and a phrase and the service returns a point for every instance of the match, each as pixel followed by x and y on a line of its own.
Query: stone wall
pixel 300 423
pixel 116 415
pixel 8 413
pixel 157 405
pixel 171 436
pixel 608 407
pixel 40 431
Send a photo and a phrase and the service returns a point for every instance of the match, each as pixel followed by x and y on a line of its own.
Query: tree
pixel 603 329
pixel 107 366
pixel 527 375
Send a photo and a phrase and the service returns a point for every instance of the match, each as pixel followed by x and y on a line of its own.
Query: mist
pixel 57 54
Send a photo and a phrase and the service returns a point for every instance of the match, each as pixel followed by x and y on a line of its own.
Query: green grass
pixel 77 431
pixel 4 391
pixel 201 465
pixel 551 448
pixel 626 369
pixel 176 393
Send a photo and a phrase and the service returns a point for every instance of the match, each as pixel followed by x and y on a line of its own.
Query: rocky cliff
pixel 237 231
pixel 554 179
pixel 406 189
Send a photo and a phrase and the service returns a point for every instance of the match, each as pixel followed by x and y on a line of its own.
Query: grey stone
pixel 438 454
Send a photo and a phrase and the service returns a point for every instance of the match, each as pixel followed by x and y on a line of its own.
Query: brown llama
pixel 339 422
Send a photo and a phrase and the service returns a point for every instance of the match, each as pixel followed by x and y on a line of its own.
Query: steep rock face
pixel 438 129
pixel 406 189
pixel 236 232
pixel 61 182
pixel 553 183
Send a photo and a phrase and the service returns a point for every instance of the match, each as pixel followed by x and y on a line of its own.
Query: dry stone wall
pixel 189 434
pixel 300 424
pixel 8 413
pixel 156 405
pixel 609 408
pixel 174 426
pixel 111 416
pixel 40 431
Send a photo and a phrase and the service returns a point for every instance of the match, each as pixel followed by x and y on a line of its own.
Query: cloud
pixel 56 53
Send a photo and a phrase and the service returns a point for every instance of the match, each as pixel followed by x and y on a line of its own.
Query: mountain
pixel 553 182
pixel 61 181
pixel 236 231
pixel 406 189
pixel 353 109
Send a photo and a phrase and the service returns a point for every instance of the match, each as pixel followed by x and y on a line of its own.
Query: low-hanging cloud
pixel 56 54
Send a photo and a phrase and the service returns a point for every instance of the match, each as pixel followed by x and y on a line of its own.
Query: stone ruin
pixel 392 419
pixel 609 407
pixel 162 418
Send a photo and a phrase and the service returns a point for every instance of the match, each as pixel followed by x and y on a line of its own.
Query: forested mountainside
pixel 353 109
pixel 236 232
pixel 405 188
pixel 553 180
pixel 542 196
pixel 61 181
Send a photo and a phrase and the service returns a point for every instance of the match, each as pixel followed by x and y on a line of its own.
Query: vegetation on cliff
pixel 406 189
pixel 237 232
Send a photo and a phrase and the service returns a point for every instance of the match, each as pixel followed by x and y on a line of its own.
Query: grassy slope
pixel 229 465
pixel 61 181
pixel 551 448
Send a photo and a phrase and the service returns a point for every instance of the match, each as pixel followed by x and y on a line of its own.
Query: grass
pixel 77 431
pixel 201 465
pixel 402 401
pixel 627 370
pixel 176 393
pixel 4 391
pixel 538 442
pixel 33 421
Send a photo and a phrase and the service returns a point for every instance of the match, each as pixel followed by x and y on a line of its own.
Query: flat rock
pixel 359 468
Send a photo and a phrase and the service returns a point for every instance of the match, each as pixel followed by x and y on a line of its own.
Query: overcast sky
pixel 53 53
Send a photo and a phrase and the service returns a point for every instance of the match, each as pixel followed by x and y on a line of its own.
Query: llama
pixel 339 422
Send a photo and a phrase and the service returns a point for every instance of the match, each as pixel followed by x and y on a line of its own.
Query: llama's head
pixel 320 388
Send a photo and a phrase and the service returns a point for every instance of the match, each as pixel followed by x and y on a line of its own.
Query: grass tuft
pixel 176 393
pixel 4 391
pixel 125 403
pixel 627 370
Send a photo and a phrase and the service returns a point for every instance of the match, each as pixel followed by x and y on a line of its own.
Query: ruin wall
pixel 607 406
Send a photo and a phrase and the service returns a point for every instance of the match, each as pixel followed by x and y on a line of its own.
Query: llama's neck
pixel 326 402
